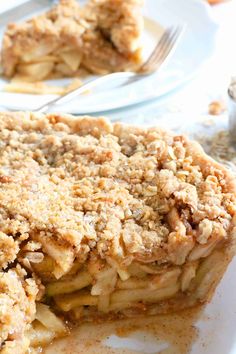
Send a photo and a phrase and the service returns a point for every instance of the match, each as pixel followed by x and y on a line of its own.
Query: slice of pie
pixel 102 221
pixel 103 36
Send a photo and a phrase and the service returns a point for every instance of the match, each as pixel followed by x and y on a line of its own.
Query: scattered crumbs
pixel 218 146
pixel 208 122
pixel 216 108
pixel 18 85
pixel 73 85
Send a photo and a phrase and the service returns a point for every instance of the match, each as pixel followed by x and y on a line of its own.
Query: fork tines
pixel 163 49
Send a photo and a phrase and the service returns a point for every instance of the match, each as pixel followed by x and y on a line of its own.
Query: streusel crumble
pixel 102 221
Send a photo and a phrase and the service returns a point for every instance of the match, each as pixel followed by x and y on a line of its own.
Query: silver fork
pixel 158 57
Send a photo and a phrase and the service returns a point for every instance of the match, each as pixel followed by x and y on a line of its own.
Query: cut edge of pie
pixel 102 36
pixel 103 221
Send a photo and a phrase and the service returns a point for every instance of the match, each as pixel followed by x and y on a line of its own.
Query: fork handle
pixel 88 86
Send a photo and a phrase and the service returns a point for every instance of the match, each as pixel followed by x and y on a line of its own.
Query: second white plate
pixel 195 48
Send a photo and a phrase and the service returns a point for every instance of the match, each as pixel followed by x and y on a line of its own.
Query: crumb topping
pixel 17 309
pixel 83 185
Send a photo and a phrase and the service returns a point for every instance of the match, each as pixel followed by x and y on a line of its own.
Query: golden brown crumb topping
pixel 17 309
pixel 82 185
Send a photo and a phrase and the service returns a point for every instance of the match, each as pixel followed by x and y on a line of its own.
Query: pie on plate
pixel 101 221
pixel 100 37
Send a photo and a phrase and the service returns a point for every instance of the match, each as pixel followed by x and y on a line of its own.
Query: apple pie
pixel 102 221
pixel 101 37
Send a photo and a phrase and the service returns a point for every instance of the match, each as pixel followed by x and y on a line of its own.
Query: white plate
pixel 195 48
pixel 9 4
